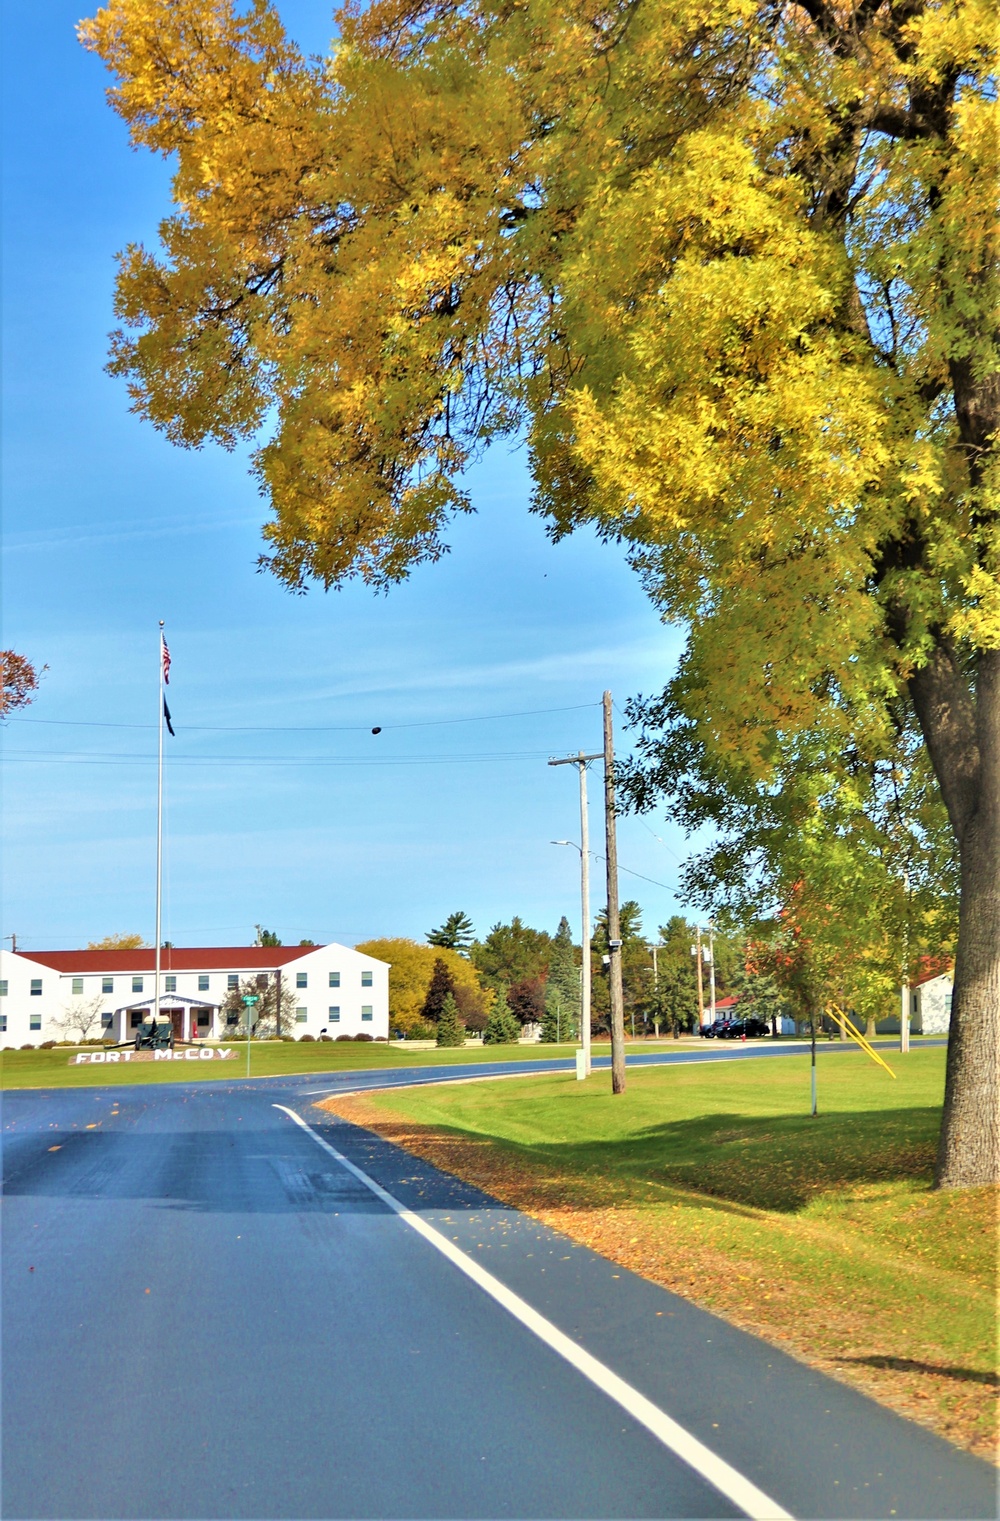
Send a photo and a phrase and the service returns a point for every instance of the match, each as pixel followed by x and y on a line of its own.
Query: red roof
pixel 931 967
pixel 727 1003
pixel 255 958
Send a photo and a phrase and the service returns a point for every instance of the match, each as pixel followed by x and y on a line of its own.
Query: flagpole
pixel 159 828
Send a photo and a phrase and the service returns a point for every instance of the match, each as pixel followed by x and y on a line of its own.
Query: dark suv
pixel 717 1028
pixel 736 1029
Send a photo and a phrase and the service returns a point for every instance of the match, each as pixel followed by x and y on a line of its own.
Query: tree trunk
pixel 964 745
pixel 969 1150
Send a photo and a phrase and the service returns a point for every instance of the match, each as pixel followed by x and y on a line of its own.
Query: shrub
pixel 47 1045
pixel 345 1037
pixel 324 1037
pixel 28 1046
pixel 364 1036
pixel 307 1037
pixel 381 1037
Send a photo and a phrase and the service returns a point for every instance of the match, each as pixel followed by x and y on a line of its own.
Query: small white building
pixel 929 997
pixel 336 990
pixel 930 1004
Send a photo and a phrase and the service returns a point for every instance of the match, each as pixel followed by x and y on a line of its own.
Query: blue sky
pixel 281 807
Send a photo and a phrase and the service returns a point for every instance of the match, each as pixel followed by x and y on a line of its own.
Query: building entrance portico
pixel 190 1021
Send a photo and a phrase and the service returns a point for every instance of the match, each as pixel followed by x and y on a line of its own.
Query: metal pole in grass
pixel 812 1046
pixel 249 999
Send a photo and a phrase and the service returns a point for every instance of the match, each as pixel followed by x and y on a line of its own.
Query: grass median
pixel 824 1236
pixel 53 1069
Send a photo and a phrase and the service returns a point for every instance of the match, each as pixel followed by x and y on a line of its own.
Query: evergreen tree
pixel 502 1029
pixel 442 986
pixel 562 990
pixel 512 953
pixel 455 934
pixel 450 1030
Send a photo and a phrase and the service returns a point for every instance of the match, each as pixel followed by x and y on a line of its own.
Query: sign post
pixel 249 999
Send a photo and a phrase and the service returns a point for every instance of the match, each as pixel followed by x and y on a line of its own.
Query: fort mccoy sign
pixel 193 1054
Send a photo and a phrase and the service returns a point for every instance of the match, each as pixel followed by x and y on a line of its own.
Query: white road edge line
pixel 720 1474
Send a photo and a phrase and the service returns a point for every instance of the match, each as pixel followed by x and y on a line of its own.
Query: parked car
pixel 736 1029
pixel 714 1030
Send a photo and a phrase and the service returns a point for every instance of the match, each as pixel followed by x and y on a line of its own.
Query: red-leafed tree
pixel 18 681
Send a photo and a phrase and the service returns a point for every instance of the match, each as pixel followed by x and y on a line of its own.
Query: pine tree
pixel 455 934
pixel 502 1029
pixel 562 991
pixel 442 986
pixel 450 1030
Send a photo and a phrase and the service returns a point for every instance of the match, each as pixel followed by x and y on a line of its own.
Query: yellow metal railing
pixel 857 1037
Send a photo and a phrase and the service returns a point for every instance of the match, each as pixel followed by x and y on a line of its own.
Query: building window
pixel 135 1019
pixel 366 1012
pixel 171 984
pixel 35 1022
pixel 301 1015
pixel 232 982
pixel 36 987
pixel 107 984
pixel 366 979
pixel 3 987
pixel 136 984
pixel 335 979
pixel 3 1024
pixel 333 1014
pixel 202 982
pixel 77 986
pixel 301 979
pixel 107 1020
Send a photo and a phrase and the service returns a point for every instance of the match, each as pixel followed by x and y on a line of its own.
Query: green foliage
pixel 502 1029
pixel 450 1030
pixel 268 937
pixel 455 934
pixel 562 989
pixel 512 953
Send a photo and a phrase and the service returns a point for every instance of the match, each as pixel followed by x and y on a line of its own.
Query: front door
pixel 177 1020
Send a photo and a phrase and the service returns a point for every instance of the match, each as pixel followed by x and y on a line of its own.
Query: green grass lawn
pixel 823 1233
pixel 52 1069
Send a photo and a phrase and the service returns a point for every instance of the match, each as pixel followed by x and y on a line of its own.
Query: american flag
pixel 165 653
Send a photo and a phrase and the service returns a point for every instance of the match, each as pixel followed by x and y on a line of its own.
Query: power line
pixel 89 758
pixel 639 874
pixel 429 723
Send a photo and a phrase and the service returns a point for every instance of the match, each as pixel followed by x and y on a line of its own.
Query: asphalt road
pixel 207 1313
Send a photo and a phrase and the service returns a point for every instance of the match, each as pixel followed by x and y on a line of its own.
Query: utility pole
pixel 614 926
pixel 580 761
pixel 711 965
pixel 696 952
pixel 13 942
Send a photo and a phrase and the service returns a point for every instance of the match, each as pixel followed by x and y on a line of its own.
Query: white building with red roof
pixel 336 990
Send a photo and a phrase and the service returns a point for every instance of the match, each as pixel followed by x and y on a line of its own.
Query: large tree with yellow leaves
pixel 728 263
